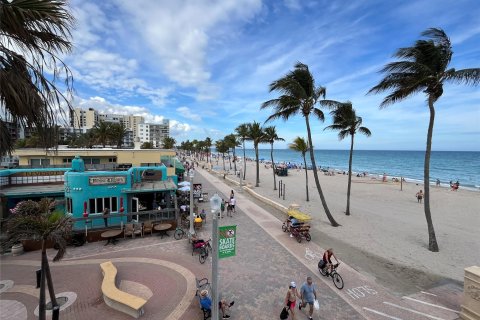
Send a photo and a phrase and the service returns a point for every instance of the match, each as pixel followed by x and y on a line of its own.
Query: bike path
pixel 371 300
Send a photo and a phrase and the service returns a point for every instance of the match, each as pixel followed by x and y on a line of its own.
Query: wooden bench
pixel 117 299
pixel 203 284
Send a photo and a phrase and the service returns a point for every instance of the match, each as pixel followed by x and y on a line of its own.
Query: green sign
pixel 227 241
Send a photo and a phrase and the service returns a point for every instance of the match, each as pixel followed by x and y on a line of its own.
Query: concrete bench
pixel 203 284
pixel 117 299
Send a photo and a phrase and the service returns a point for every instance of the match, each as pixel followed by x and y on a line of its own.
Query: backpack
pixel 284 313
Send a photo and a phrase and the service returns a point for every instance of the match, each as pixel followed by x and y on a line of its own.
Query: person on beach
pixel 291 298
pixel 308 294
pixel 419 196
pixel 384 177
pixel 437 183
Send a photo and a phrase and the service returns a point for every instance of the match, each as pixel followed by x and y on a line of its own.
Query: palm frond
pixel 365 131
pixel 466 76
pixel 330 104
pixel 319 114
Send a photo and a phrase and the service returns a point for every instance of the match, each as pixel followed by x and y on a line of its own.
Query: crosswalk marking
pixel 431 304
pixel 381 313
pixel 414 311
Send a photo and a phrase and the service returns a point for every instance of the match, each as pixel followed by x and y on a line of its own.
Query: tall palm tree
pixel 169 143
pixel 299 95
pixel 101 131
pixel 271 136
pixel 300 145
pixel 222 147
pixel 242 132
pixel 208 146
pixel 33 34
pixel 33 220
pixel 256 134
pixel 117 132
pixel 347 123
pixel 423 67
pixel 232 142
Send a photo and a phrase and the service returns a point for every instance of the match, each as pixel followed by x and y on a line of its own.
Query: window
pixel 69 204
pixel 39 162
pixel 67 160
pixel 114 159
pixel 98 204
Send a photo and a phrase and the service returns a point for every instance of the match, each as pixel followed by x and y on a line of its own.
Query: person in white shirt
pixel 232 204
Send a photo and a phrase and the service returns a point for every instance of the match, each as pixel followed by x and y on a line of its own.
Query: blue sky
pixel 206 65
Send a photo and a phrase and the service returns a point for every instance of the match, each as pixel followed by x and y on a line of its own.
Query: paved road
pixel 257 278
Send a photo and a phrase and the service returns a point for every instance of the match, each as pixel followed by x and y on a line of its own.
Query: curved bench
pixel 117 299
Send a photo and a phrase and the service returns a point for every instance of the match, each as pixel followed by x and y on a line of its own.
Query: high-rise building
pixel 83 119
pixel 154 133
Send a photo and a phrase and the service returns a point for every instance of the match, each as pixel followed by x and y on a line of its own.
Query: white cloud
pixel 292 4
pixel 189 114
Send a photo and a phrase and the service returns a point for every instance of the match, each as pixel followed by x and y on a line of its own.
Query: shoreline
pixel 385 221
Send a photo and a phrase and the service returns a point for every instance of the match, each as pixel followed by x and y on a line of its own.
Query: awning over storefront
pixel 151 186
pixel 174 162
pixel 33 191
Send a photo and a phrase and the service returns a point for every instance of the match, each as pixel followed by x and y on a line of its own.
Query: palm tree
pixel 299 95
pixel 169 143
pixel 32 220
pixel 257 135
pixel 222 147
pixel 101 131
pixel 147 145
pixel 300 145
pixel 347 123
pixel 33 34
pixel 208 146
pixel 232 142
pixel 117 132
pixel 423 67
pixel 242 132
pixel 271 136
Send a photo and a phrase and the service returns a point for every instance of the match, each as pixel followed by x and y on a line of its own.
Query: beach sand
pixel 386 221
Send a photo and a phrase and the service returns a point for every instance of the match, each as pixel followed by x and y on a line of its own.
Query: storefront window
pixel 98 204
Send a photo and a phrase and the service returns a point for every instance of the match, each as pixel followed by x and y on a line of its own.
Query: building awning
pixel 151 186
pixel 34 191
pixel 173 161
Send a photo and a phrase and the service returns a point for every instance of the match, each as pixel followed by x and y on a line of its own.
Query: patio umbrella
pixel 184 183
pixel 184 189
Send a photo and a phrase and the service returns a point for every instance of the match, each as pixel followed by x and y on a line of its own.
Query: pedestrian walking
pixel 308 294
pixel 291 298
pixel 419 196
pixel 232 204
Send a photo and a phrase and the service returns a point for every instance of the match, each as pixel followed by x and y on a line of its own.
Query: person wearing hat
pixel 206 303
pixel 291 298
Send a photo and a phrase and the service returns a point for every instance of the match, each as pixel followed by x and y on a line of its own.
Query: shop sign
pixel 38 174
pixel 227 241
pixel 105 180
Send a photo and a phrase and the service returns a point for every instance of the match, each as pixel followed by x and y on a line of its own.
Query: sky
pixel 207 65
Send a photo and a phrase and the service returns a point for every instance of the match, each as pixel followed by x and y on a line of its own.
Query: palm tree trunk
pixel 51 290
pixel 257 183
pixel 273 168
pixel 229 160
pixel 218 158
pixel 315 175
pixel 306 175
pixel 42 311
pixel 347 212
pixel 223 157
pixel 244 161
pixel 432 240
pixel 234 162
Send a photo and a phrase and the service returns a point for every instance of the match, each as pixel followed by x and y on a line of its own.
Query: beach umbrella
pixel 184 183
pixel 184 189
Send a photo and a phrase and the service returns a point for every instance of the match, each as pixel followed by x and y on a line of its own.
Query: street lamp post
pixel 215 204
pixel 240 176
pixel 191 174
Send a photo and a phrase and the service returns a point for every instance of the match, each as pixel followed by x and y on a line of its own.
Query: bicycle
pixel 337 279
pixel 181 232
pixel 202 257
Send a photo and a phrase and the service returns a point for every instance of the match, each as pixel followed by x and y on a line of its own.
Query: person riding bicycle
pixel 327 260
pixel 196 241
pixel 292 222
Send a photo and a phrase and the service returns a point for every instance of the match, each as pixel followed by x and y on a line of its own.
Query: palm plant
pixel 33 34
pixel 242 132
pixel 147 145
pixel 117 132
pixel 33 221
pixel 232 142
pixel 101 130
pixel 169 143
pixel 300 145
pixel 271 136
pixel 222 147
pixel 347 123
pixel 208 146
pixel 299 95
pixel 423 67
pixel 256 134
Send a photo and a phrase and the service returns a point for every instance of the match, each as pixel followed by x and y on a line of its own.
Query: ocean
pixel 447 166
